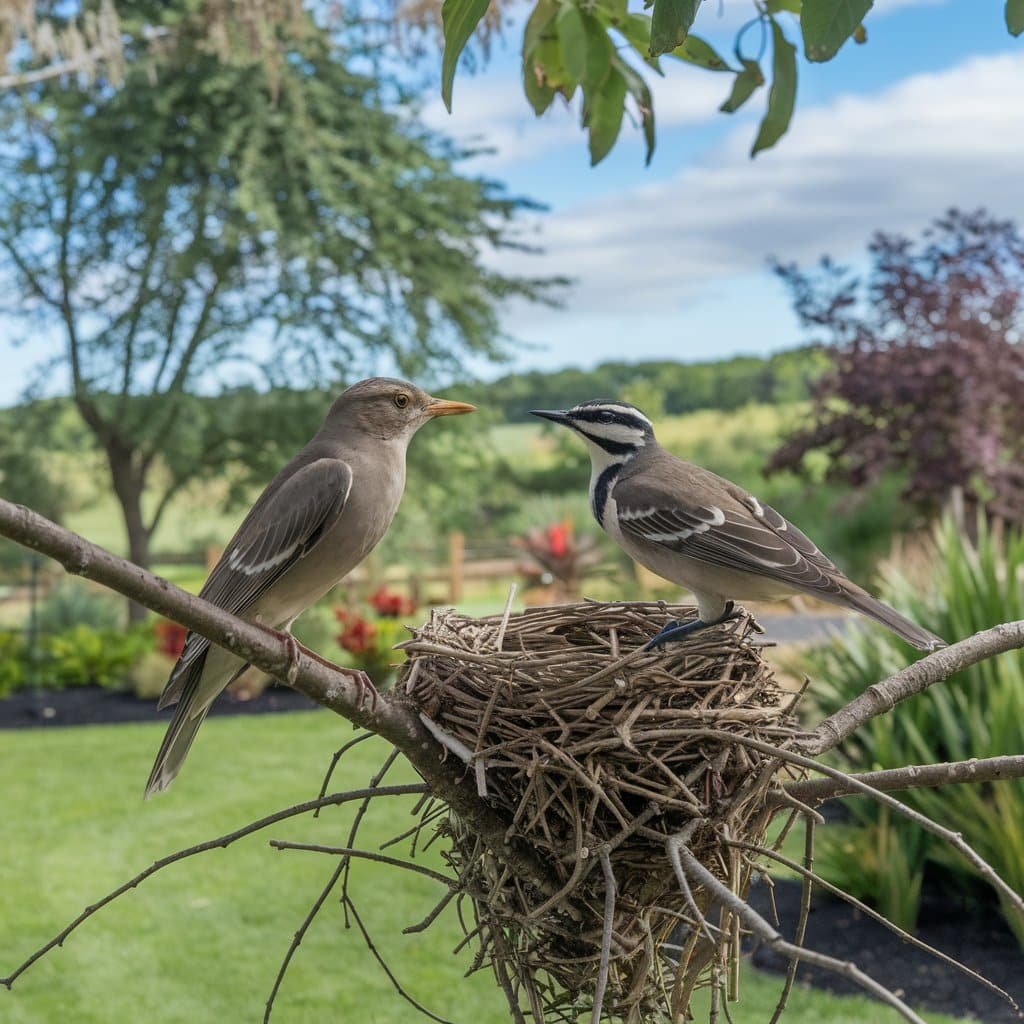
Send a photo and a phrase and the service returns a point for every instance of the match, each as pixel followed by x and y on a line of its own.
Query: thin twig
pixel 881 919
pixel 387 970
pixel 606 937
pixel 211 844
pixel 760 927
pixel 915 776
pixel 953 838
pixel 338 755
pixel 380 858
pixel 801 925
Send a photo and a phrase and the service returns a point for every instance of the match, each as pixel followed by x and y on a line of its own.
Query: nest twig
pixel 601 756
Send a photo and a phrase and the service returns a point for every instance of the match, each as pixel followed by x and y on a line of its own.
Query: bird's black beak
pixel 554 415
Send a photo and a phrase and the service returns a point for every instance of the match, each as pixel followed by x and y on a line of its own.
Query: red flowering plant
pixel 170 638
pixel 558 558
pixel 370 637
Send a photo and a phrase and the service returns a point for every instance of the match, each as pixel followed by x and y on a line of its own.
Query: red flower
pixel 359 636
pixel 558 539
pixel 391 605
pixel 170 637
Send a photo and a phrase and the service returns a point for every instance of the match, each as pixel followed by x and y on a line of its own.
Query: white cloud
pixel 892 160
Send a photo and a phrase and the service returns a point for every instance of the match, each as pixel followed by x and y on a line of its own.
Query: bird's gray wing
pixel 721 524
pixel 282 528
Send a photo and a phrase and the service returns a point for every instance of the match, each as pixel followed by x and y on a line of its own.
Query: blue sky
pixel 670 260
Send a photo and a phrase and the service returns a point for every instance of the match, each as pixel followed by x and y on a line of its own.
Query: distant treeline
pixel 660 387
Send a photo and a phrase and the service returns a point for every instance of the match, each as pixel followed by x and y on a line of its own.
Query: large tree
pixel 928 371
pixel 203 219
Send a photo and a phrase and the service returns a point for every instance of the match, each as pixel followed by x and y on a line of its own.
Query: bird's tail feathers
pixel 915 635
pixel 177 741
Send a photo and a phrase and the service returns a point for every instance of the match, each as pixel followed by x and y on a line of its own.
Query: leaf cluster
pixel 928 377
pixel 604 50
pixel 979 712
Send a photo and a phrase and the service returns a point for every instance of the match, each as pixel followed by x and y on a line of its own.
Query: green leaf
pixel 746 83
pixel 542 16
pixel 599 52
pixel 572 35
pixel 827 24
pixel 459 18
pixel 1015 16
pixel 641 93
pixel 778 6
pixel 695 50
pixel 539 94
pixel 636 28
pixel 782 96
pixel 604 115
pixel 671 23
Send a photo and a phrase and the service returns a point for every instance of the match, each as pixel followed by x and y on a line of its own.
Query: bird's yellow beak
pixel 442 407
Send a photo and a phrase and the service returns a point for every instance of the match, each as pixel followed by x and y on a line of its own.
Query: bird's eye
pixel 607 417
pixel 401 400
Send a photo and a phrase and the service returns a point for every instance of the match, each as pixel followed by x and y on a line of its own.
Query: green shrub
pixel 83 655
pixel 978 712
pixel 73 603
pixel 12 662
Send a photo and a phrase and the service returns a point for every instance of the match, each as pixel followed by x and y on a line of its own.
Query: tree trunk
pixel 129 484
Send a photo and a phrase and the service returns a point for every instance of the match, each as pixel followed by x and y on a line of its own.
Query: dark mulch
pixel 982 941
pixel 93 705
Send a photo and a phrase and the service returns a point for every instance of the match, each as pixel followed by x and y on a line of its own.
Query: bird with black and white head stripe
pixel 316 521
pixel 700 531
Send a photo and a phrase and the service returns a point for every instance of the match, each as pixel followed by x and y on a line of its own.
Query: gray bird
pixel 316 521
pixel 698 530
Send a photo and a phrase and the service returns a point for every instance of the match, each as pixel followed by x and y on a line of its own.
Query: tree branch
pixel 915 678
pixel 914 776
pixel 327 684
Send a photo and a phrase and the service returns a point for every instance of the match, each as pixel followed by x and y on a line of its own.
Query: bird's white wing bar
pixel 293 518
pixel 748 537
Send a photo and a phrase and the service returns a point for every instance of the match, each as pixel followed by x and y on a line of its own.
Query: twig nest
pixel 601 756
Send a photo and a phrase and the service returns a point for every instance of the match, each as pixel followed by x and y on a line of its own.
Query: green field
pixel 202 940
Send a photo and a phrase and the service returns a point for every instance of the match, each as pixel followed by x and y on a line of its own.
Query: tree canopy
pixel 928 371
pixel 210 223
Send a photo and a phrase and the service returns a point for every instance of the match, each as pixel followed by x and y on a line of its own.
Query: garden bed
pixel 981 941
pixel 95 705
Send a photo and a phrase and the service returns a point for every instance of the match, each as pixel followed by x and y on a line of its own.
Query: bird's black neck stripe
pixel 602 489
pixel 620 448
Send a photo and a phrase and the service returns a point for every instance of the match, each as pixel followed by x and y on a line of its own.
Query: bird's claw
pixel 364 688
pixel 676 630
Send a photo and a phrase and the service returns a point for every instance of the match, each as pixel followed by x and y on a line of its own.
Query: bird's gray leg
pixel 363 683
pixel 677 630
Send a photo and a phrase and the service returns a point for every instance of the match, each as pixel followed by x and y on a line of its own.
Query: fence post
pixel 456 565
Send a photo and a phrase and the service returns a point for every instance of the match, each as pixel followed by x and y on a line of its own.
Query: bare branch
pixel 948 835
pixel 606 937
pixel 914 776
pixel 915 678
pixel 327 684
pixel 881 919
pixel 767 934
pixel 211 844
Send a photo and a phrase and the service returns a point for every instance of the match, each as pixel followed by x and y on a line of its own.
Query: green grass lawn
pixel 201 941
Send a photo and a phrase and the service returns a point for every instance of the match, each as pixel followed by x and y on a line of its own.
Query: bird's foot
pixel 364 687
pixel 676 630
pixel 363 684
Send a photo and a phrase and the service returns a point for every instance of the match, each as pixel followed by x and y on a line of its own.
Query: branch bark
pixel 914 679
pixel 328 685
pixel 914 776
